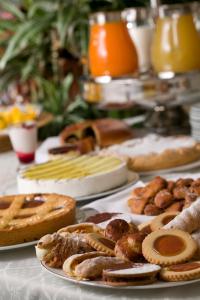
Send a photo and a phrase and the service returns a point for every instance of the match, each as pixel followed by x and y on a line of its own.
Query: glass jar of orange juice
pixel 176 42
pixel 111 49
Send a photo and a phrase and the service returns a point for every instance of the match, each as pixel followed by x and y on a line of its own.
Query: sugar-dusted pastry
pixel 28 217
pixel 188 220
pixel 152 210
pixel 81 228
pixel 75 259
pixel 100 243
pixel 138 274
pixel 196 237
pixel 168 247
pixel 181 272
pixel 161 220
pixel 176 206
pixel 117 228
pixel 129 247
pixel 92 268
pixel 56 248
pixel 145 227
pixel 163 198
pixel 154 152
pixel 140 196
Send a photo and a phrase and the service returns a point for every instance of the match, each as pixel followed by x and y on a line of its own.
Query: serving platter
pixel 17 246
pixel 118 202
pixel 100 284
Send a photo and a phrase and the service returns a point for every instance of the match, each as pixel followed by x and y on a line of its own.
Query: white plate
pixel 157 285
pixel 183 168
pixel 118 202
pixel 132 178
pixel 17 246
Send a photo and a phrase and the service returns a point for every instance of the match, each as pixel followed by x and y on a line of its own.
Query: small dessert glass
pixel 24 141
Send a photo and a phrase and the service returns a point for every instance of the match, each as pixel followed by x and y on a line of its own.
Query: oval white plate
pixel 22 245
pixel 157 285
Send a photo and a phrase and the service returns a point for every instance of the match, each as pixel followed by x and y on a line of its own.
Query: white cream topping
pixel 150 144
pixel 146 268
pixel 40 253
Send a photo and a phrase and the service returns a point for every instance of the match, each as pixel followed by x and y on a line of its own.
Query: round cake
pixel 81 176
pixel 154 152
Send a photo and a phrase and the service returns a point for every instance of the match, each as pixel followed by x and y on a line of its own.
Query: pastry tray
pixel 147 90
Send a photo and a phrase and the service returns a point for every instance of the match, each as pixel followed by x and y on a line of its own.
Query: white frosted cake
pixel 154 152
pixel 80 176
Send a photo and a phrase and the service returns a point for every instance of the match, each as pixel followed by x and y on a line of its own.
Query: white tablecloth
pixel 22 277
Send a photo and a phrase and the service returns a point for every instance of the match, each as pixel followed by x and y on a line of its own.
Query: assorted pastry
pixel 154 152
pixel 125 254
pixel 86 136
pixel 25 218
pixel 161 195
pixel 79 176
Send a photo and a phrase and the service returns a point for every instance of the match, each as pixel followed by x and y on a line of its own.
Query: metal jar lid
pixel 105 17
pixel 174 10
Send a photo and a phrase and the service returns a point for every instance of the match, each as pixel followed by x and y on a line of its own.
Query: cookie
pixel 161 220
pixel 181 272
pixel 100 243
pixel 168 247
pixel 81 228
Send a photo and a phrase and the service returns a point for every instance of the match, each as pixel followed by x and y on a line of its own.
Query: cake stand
pixel 163 98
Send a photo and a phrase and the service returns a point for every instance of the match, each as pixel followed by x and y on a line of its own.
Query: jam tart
pixel 168 247
pixel 25 218
pixel 181 272
pixel 161 220
pixel 100 243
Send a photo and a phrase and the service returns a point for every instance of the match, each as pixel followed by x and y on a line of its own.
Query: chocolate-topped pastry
pixel 117 228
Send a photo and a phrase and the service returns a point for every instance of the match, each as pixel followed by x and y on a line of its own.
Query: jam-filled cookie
pixel 138 274
pixel 118 227
pixel 181 272
pixel 100 243
pixel 161 220
pixel 129 247
pixel 168 247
